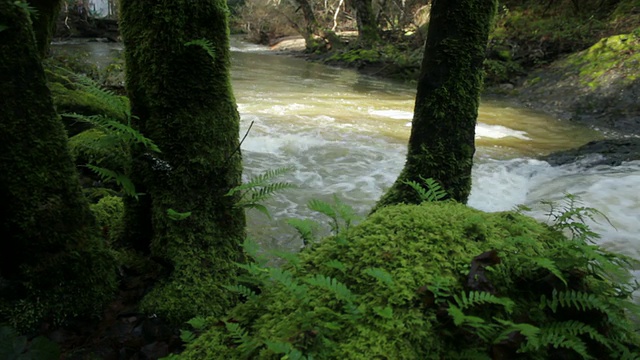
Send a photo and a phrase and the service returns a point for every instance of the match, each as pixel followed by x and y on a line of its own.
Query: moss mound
pixel 433 281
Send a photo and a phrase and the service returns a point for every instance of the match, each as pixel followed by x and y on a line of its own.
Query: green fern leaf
pixel 339 289
pixel 120 179
pixel 205 44
pixel 336 264
pixel 550 265
pixel 380 274
pixel 386 312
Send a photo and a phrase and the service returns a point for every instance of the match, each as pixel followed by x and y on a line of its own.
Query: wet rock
pixel 603 152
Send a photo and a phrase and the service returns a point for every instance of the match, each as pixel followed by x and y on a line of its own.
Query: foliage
pixel 431 281
pixel 109 213
pixel 259 189
pixel 16 347
pixel 431 191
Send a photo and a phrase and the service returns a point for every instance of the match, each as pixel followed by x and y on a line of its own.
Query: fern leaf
pixel 305 227
pixel 550 265
pixel 386 312
pixel 205 44
pixel 430 191
pixel 336 264
pixel 380 274
pixel 339 289
pixel 120 179
pixel 474 298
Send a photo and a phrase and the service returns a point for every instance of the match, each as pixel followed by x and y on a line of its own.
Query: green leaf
pixel 177 216
pixel 386 312
pixel 380 274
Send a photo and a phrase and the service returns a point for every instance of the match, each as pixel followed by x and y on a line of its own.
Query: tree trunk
pixel 367 26
pixel 442 145
pixel 183 100
pixel 44 23
pixel 52 262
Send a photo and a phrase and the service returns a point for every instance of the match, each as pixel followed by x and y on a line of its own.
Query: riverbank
pixel 598 87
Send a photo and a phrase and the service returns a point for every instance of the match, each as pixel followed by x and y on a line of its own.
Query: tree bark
pixel 44 23
pixel 441 145
pixel 365 19
pixel 183 100
pixel 52 261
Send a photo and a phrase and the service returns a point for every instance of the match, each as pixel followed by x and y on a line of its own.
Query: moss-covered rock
pixel 108 212
pixel 598 86
pixel 392 288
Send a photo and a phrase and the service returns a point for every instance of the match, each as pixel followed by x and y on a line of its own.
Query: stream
pixel 345 134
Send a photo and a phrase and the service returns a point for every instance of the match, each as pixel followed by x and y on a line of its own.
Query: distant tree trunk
pixel 367 26
pixel 44 23
pixel 52 261
pixel 183 100
pixel 442 144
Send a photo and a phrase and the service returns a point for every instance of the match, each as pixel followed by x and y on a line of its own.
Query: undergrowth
pixel 431 281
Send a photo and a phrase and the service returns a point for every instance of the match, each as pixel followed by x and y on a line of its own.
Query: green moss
pixel 620 52
pixel 427 250
pixel 109 212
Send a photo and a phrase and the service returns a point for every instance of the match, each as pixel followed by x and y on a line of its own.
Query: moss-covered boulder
pixel 434 281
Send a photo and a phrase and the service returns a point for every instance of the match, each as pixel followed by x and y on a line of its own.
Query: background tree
pixel 442 144
pixel 367 25
pixel 44 22
pixel 177 72
pixel 53 263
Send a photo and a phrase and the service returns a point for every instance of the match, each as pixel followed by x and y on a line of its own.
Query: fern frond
pixel 380 274
pixel 574 299
pixel 474 298
pixel 242 290
pixel 305 227
pixel 339 289
pixel 549 265
pixel 430 191
pixel 120 179
pixel 205 44
pixel 336 264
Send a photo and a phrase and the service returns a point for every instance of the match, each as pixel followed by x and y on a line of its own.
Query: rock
pixel 603 152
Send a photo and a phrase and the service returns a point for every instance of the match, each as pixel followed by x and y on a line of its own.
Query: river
pixel 345 134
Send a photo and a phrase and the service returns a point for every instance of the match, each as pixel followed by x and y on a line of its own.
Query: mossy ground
pixel 428 252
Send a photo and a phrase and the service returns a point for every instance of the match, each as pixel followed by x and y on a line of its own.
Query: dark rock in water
pixel 603 152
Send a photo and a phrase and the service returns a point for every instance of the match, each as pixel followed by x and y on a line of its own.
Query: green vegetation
pixel 432 281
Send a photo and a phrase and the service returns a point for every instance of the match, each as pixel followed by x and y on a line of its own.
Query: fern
pixel 205 44
pixel 574 299
pixel 306 229
pixel 339 289
pixel 120 179
pixel 430 191
pixel 549 265
pixel 474 298
pixel 342 216
pixel 380 274
pixel 259 189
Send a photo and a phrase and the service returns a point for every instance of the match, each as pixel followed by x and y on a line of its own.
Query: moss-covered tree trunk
pixel 365 19
pixel 44 23
pixel 52 262
pixel 183 100
pixel 441 145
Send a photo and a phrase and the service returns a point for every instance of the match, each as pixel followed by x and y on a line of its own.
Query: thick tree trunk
pixel 52 262
pixel 44 23
pixel 184 102
pixel 367 26
pixel 442 145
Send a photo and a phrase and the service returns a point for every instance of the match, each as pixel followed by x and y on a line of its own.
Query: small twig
pixel 240 144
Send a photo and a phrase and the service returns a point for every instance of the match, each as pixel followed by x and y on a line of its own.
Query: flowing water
pixel 344 133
